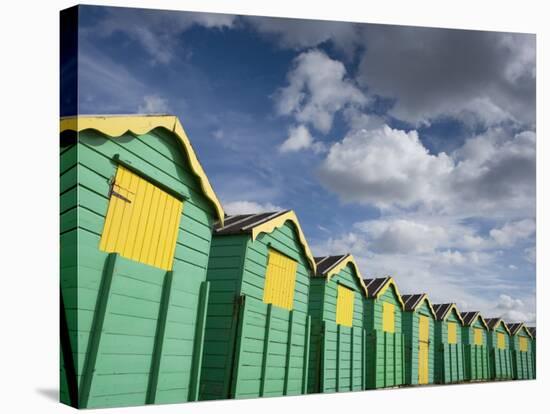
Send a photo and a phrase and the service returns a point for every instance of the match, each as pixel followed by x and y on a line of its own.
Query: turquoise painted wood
pixel 134 331
pixel 476 356
pixel 385 350
pixel 411 320
pixel 449 358
pixel 522 361
pixel 253 349
pixel 500 359
pixel 338 352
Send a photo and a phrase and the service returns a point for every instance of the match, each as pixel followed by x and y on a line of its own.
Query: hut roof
pixel 514 328
pixel 443 310
pixel 533 331
pixel 469 318
pixel 255 224
pixel 493 323
pixel 328 266
pixel 117 125
pixel 376 287
pixel 413 301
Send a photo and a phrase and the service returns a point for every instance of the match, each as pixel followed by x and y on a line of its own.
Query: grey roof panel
pixel 326 263
pixel 244 223
pixel 375 285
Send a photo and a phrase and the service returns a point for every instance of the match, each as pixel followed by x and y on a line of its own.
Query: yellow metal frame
pixel 117 125
pixel 348 260
pixel 392 283
pixel 279 221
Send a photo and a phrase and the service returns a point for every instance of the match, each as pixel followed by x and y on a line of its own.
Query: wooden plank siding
pixel 337 356
pixel 411 321
pixel 385 350
pixel 522 361
pixel 476 356
pixel 133 309
pixel 254 349
pixel 500 360
pixel 449 358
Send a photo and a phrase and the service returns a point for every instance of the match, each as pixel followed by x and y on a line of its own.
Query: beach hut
pixel 522 351
pixel 257 327
pixel 533 332
pixel 385 341
pixel 500 360
pixel 449 351
pixel 338 338
pixel 137 212
pixel 476 352
pixel 419 331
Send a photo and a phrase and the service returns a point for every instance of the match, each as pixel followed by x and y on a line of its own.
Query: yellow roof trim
pixel 279 221
pixel 525 329
pixel 117 125
pixel 389 283
pixel 426 298
pixel 453 306
pixel 348 260
pixel 500 321
pixel 482 321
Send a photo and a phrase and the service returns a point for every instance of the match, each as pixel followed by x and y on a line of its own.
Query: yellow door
pixel 423 349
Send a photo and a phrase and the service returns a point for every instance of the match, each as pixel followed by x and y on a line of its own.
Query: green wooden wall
pixel 385 350
pixel 337 353
pixel 522 361
pixel 449 358
pixel 135 330
pixel 476 357
pixel 500 360
pixel 411 333
pixel 253 349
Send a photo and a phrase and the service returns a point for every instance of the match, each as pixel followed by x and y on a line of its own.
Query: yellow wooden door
pixel 423 349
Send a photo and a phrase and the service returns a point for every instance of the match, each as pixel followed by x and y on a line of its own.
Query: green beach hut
pixel 338 338
pixel 476 351
pixel 521 346
pixel 419 330
pixel 500 359
pixel 257 327
pixel 137 212
pixel 533 331
pixel 385 340
pixel 449 351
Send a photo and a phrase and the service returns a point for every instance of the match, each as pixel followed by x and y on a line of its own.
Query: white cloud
pixel 317 88
pixel 402 236
pixel 249 207
pixel 512 310
pixel 510 233
pixel 153 104
pixel 385 166
pixel 530 254
pixel 299 138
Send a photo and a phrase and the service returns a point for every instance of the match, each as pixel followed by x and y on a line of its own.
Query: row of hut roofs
pixel 198 305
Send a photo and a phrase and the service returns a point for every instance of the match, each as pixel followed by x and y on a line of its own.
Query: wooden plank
pixel 364 359
pixel 198 347
pixel 159 339
pixel 266 348
pixel 352 357
pixel 288 350
pixel 236 368
pixel 67 353
pixel 307 340
pixel 96 330
pixel 338 355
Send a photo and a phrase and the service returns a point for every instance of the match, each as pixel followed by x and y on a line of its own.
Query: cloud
pixel 299 34
pixel 153 104
pixel 249 207
pixel 493 173
pixel 158 32
pixel 299 138
pixel 317 88
pixel 530 254
pixel 510 233
pixel 512 310
pixel 385 166
pixel 433 72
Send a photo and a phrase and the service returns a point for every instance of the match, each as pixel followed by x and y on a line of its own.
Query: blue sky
pixel 412 148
